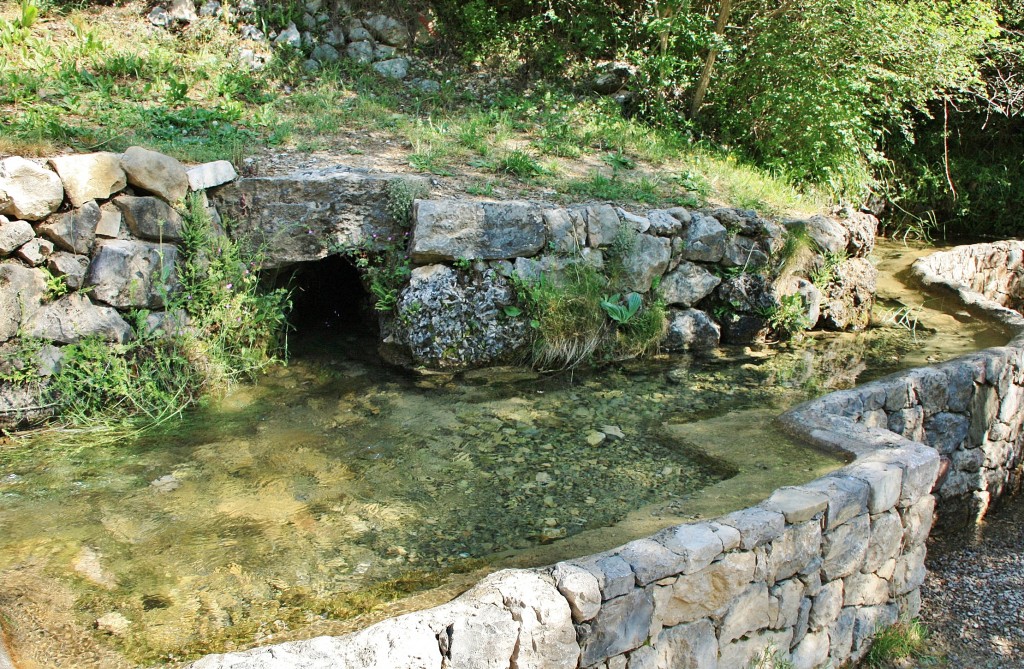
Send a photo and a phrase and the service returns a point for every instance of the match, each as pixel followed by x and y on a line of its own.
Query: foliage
pixel 828 270
pixel 621 312
pixel 402 193
pixel 519 164
pixel 386 267
pixel 789 318
pixel 907 639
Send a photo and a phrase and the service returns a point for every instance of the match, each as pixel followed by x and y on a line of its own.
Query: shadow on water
pixel 338 483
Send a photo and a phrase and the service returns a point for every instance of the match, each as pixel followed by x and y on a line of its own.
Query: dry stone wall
pixel 83 240
pixel 808 576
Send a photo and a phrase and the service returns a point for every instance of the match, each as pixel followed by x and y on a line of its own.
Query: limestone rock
pixel 113 623
pixel 568 232
pixel 757 526
pixel 448 320
pixel 580 588
pixel 688 284
pixel 360 51
pixel 452 229
pixel 828 233
pixel 90 176
pixel 693 646
pixel 307 215
pixel 602 224
pixel 647 259
pixel 387 30
pixel 21 295
pixel 182 11
pixel 73 317
pixel 845 548
pixel 324 53
pixel 798 505
pixel 707 592
pixel 27 190
pixel 812 651
pixel 756 649
pixel 74 231
pixel 393 68
pixel 704 240
pixel 651 561
pixel 696 543
pixel 70 266
pixel 109 226
pixel 35 251
pixel 289 37
pixel 793 550
pixel 127 273
pixel 13 234
pixel 151 218
pixel 546 634
pixel 744 302
pixel 614 575
pixel 209 175
pixel 161 175
pixel 664 224
pixel 847 301
pixel 745 253
pixel 749 612
pixel 690 330
pixel 809 294
pixel 621 626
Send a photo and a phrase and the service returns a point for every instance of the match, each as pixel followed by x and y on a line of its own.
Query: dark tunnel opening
pixel 331 310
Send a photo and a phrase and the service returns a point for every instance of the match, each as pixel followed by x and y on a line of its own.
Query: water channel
pixel 307 503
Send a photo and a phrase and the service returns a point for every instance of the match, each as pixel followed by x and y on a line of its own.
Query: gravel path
pixel 973 599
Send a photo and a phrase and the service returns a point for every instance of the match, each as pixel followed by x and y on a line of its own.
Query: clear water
pixel 338 484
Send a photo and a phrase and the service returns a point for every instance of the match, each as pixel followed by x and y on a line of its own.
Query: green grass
pixel 71 81
pixel 906 640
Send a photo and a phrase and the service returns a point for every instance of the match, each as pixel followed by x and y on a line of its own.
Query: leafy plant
pixel 827 271
pixel 619 161
pixel 56 285
pixel 386 267
pixel 789 317
pixel 519 164
pixel 622 312
pixel 402 193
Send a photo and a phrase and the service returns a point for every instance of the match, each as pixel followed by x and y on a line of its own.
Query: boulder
pixel 91 176
pixel 690 330
pixel 35 251
pixel 387 30
pixel 127 273
pixel 361 51
pixel 13 234
pixel 182 11
pixel 21 294
pixel 384 52
pixel 453 229
pixel 847 301
pixel 290 36
pixel 150 218
pixel 70 266
pixel 664 223
pixel 646 260
pixel 602 224
pixel 862 228
pixel 742 305
pixel 744 252
pixel 74 231
pixel 28 190
pixel 73 317
pixel 357 32
pixel 212 174
pixel 394 68
pixel 705 239
pixel 688 284
pixel 324 53
pixel 309 215
pixel 611 77
pixel 156 173
pixel 828 233
pixel 445 319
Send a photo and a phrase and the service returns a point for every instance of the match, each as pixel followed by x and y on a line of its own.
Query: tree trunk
pixel 709 63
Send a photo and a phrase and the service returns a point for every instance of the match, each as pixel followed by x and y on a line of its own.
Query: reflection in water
pixel 285 504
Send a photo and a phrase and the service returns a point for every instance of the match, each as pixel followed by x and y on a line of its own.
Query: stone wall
pixel 83 240
pixel 809 575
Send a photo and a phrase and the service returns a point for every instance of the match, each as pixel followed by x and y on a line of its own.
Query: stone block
pixel 691 646
pixel 847 497
pixel 798 505
pixel 567 233
pixel 691 330
pixel 688 284
pixel 757 526
pixel 748 612
pixel 156 173
pixel 840 636
pixel 72 318
pixel 812 651
pixel 704 240
pixel 614 575
pixel 646 260
pixel 845 548
pixel 109 226
pixel 946 432
pixel 664 224
pixel 151 218
pixel 622 625
pixel 792 550
pixel 90 176
pixel 697 544
pixel 885 483
pixel 758 650
pixel 910 571
pixel 886 540
pixel 651 561
pixel 865 590
pixel 869 621
pixel 917 521
pixel 787 597
pixel 580 588
pixel 74 231
pixel 27 190
pixel 126 273
pixel 35 251
pixel 920 466
pixel 708 592
pixel 21 294
pixel 602 225
pixel 13 234
pixel 729 536
pixel 452 229
pixel 217 173
pixel 826 605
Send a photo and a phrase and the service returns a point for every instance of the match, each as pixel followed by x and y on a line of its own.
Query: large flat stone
pixel 704 593
pixel 308 215
pixel 28 190
pixel 74 231
pixel 72 318
pixel 90 176
pixel 156 173
pixel 748 612
pixel 151 218
pixel 692 646
pixel 622 625
pixel 127 274
pixel 21 295
pixel 446 230
pixel 209 175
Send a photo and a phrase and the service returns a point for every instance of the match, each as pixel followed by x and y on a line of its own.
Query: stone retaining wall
pixel 809 575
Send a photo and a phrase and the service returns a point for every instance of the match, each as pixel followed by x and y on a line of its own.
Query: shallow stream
pixel 337 485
